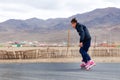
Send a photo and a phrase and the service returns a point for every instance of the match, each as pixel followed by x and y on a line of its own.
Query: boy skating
pixel 85 42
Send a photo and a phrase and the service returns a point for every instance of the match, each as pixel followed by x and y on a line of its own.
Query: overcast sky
pixel 44 9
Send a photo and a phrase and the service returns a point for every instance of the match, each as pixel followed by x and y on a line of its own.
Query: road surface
pixel 58 71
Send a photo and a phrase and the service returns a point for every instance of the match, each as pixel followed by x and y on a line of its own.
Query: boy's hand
pixel 81 44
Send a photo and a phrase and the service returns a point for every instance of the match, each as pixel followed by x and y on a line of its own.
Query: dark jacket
pixel 83 32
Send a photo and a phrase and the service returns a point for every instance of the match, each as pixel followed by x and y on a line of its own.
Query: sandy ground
pixel 63 60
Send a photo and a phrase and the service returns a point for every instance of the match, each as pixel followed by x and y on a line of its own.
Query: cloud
pixel 114 2
pixel 24 9
pixel 14 11
pixel 41 4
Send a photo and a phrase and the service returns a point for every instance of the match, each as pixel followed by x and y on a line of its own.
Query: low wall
pixel 55 52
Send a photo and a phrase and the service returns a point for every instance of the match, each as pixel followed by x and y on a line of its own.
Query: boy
pixel 85 42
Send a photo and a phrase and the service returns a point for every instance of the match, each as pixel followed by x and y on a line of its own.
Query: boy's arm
pixel 82 34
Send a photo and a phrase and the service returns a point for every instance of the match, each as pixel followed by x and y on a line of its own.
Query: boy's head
pixel 74 22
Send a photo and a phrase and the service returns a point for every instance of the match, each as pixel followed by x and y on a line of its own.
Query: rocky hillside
pixel 103 23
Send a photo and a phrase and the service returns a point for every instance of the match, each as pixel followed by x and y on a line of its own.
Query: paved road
pixel 58 71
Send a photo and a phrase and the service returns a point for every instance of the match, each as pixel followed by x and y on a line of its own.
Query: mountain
pixel 100 17
pixel 101 22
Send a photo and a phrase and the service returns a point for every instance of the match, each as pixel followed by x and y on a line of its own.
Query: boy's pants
pixel 84 49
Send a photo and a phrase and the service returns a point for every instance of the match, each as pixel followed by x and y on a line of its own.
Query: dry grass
pixel 63 60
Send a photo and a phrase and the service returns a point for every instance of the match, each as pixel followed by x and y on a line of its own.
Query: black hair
pixel 74 20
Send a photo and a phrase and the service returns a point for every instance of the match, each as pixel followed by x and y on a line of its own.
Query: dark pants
pixel 84 50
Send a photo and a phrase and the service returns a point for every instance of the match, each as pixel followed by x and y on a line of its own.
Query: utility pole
pixel 95 41
pixel 68 41
pixel 68 44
